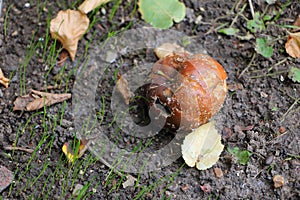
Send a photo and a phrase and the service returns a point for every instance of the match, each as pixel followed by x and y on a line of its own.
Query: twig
pixel 251 8
pixel 11 148
pixel 266 75
pixel 290 108
pixel 249 64
pixel 278 63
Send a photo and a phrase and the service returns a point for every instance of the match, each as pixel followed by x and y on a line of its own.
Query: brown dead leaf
pixel 36 100
pixel 89 5
pixel 68 28
pixel 123 89
pixel 292 46
pixel 4 81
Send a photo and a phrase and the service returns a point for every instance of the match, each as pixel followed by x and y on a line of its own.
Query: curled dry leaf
pixel 36 100
pixel 202 147
pixel 68 27
pixel 89 5
pixel 167 49
pixel 123 89
pixel 292 46
pixel 4 81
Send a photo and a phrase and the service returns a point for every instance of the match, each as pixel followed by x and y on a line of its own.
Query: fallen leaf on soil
pixel 292 46
pixel 278 181
pixel 6 177
pixel 89 5
pixel 75 149
pixel 202 147
pixel 294 74
pixel 68 27
pixel 36 100
pixel 123 89
pixel 4 81
pixel 168 48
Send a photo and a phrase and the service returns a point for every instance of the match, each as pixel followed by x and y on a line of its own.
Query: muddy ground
pixel 259 114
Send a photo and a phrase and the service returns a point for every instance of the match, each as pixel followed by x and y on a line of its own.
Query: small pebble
pixel 6 177
pixel 269 160
pixel 206 188
pixel 198 19
pixel 226 133
pixel 27 5
pixel 218 172
pixel 281 129
pixel 77 189
pixel 278 181
pixel 15 33
pixel 185 187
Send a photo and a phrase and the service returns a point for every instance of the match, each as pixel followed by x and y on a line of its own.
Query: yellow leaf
pixel 73 154
pixel 202 147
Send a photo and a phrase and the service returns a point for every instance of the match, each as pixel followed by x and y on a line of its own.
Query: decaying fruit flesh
pixel 191 88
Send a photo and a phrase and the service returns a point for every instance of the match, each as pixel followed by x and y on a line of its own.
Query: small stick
pixel 290 108
pixel 11 148
pixel 249 64
pixel 251 8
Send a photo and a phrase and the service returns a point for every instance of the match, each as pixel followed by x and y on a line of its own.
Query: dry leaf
pixel 89 5
pixel 78 149
pixel 278 181
pixel 68 27
pixel 202 147
pixel 168 48
pixel 36 100
pixel 4 81
pixel 123 89
pixel 292 46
